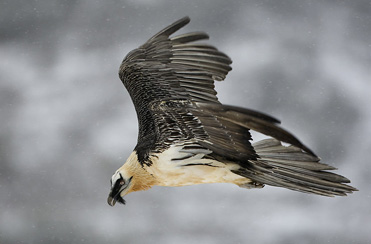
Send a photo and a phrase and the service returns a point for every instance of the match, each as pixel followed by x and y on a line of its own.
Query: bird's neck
pixel 142 180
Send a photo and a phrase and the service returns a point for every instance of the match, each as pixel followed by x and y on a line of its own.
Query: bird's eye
pixel 122 182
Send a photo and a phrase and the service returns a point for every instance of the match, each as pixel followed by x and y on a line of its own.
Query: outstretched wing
pixel 171 83
pixel 174 68
pixel 166 72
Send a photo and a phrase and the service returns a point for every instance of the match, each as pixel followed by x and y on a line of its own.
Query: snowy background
pixel 67 122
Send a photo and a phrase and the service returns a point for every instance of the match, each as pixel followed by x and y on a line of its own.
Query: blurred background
pixel 67 122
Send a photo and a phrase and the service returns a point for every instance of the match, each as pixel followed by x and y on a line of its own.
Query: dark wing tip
pixel 167 31
pixel 193 67
pixel 189 37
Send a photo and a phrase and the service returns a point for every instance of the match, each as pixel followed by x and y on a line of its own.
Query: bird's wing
pixel 171 83
pixel 167 74
pixel 174 67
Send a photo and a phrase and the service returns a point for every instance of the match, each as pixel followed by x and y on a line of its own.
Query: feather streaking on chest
pixel 178 166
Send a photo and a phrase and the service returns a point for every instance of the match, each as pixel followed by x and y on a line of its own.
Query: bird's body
pixel 189 168
pixel 186 136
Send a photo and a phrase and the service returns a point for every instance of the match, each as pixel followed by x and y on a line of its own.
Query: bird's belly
pixel 191 170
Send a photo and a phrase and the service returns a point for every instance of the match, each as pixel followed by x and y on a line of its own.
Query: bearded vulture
pixel 186 136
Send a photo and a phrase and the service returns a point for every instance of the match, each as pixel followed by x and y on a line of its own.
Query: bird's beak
pixel 110 200
pixel 116 192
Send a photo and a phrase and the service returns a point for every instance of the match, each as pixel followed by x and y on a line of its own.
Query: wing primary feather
pixel 194 46
pixel 204 49
pixel 189 37
pixel 203 55
pixel 167 31
pixel 202 59
pixel 220 70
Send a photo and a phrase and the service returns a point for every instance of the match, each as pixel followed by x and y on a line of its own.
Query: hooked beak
pixel 111 200
pixel 115 194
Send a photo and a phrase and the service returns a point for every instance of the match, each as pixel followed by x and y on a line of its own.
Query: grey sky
pixel 67 122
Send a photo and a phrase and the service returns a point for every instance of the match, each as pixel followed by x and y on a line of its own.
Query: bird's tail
pixel 291 167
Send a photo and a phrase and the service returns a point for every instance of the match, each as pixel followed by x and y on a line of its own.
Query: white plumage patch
pixel 182 165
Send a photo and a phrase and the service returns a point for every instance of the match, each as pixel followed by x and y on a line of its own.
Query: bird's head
pixel 121 183
pixel 132 176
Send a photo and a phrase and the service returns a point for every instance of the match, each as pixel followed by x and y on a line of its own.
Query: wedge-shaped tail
pixel 292 168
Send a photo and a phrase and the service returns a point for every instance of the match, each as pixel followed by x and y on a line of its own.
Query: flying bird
pixel 186 136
